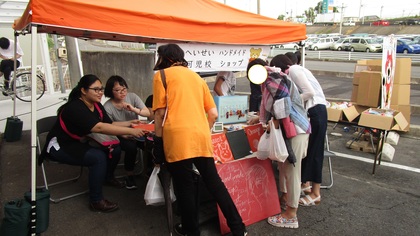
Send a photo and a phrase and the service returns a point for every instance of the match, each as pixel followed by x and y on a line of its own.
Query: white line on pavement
pixel 417 170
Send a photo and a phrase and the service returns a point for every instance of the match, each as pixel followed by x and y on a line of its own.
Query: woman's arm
pixel 218 86
pixel 159 115
pixel 212 116
pixel 106 128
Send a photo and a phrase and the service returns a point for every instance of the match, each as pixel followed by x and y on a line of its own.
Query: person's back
pixel 186 116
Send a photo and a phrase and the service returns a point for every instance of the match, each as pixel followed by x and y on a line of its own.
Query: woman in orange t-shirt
pixel 183 138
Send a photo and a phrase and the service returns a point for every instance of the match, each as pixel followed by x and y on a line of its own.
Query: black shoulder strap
pixel 162 75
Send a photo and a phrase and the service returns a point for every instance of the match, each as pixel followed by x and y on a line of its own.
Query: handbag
pixel 154 191
pixel 97 140
pixel 289 127
pixel 277 149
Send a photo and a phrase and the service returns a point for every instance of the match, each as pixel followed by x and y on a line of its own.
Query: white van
pixel 321 43
pixel 349 23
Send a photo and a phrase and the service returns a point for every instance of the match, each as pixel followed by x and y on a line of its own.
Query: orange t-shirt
pixel 186 132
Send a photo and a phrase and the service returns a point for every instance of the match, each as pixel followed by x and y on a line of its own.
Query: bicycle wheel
pixel 23 85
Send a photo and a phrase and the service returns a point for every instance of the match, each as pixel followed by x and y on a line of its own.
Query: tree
pixel 281 17
pixel 310 15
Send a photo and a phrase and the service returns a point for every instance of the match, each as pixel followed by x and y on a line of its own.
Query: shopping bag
pixel 278 149
pixel 263 146
pixel 154 191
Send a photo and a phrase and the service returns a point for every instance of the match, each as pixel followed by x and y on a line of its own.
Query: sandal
pixel 309 201
pixel 306 190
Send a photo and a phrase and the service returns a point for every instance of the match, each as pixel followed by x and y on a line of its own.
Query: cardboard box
pixel 376 118
pixel 400 94
pixel 402 73
pixel 369 90
pixel 354 93
pixel 348 114
pixel 363 67
pixel 231 109
pixel 406 111
pixel 363 146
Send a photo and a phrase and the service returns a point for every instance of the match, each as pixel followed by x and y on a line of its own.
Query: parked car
pixel 409 22
pixel 381 23
pixel 294 46
pixel 364 45
pixel 407 46
pixel 349 23
pixel 340 44
pixel 321 43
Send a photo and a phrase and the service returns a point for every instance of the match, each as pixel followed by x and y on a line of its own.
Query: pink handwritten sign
pixel 253 189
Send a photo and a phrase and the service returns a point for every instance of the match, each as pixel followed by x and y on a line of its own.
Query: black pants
pixel 185 183
pixel 130 148
pixel 7 66
pixel 312 164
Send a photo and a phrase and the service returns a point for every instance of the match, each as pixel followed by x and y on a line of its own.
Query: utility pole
pixel 341 18
pixel 258 7
pixel 382 7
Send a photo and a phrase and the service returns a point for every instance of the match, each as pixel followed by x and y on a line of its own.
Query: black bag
pixel 16 218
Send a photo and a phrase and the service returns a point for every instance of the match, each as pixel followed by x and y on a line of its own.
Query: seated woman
pixel 124 106
pixel 81 116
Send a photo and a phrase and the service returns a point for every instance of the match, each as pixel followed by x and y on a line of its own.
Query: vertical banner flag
pixel 388 69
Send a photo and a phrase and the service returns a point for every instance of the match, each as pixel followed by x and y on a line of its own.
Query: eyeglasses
pixel 98 90
pixel 123 90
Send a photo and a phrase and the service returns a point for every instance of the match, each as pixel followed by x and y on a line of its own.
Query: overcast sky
pixel 274 8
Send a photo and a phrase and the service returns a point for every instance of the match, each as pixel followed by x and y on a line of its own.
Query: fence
pixel 345 56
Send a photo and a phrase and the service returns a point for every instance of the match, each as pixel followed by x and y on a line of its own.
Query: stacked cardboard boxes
pixel 367 87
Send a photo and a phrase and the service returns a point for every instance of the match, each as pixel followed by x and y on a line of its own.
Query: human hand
pixel 128 107
pixel 138 132
pixel 254 120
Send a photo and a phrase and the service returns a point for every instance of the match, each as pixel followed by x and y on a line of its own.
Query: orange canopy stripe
pixel 154 21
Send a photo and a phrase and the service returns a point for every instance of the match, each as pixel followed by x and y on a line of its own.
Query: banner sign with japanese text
pixel 221 57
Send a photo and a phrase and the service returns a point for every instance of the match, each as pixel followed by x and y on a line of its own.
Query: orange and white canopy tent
pixel 152 21
pixel 147 21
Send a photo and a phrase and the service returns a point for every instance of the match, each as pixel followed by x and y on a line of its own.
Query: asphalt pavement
pixel 359 203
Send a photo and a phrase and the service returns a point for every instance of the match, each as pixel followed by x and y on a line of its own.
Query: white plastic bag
pixel 278 149
pixel 154 190
pixel 263 146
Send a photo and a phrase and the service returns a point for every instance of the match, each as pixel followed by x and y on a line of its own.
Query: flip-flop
pixel 308 201
pixel 304 191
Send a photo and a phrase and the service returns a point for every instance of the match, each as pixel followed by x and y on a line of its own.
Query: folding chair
pixel 44 125
pixel 328 154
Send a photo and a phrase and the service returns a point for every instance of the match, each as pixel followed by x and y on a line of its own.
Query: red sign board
pixel 253 133
pixel 253 189
pixel 221 149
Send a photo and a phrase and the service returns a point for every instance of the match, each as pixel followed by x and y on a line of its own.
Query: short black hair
pixel 292 56
pixel 170 54
pixel 110 85
pixel 256 61
pixel 4 43
pixel 281 61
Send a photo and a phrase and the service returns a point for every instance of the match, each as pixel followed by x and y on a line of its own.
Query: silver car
pixel 340 44
pixel 364 45
pixel 321 43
